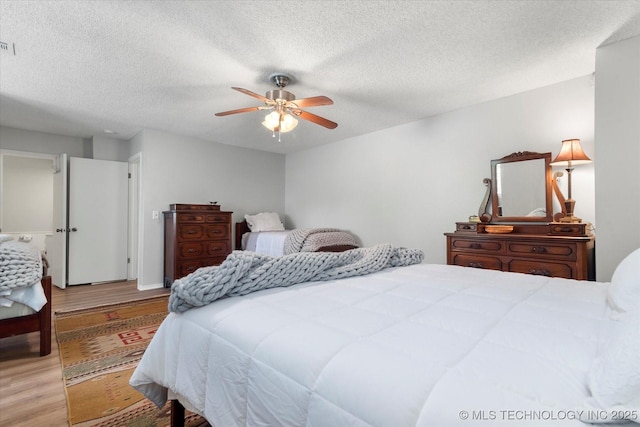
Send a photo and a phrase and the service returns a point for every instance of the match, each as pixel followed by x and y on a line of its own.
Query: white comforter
pixel 424 345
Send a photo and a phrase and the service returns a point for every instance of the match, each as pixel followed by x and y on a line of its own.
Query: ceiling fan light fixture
pixel 284 106
pixel 286 122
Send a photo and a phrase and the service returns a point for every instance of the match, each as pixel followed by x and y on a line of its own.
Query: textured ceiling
pixel 85 66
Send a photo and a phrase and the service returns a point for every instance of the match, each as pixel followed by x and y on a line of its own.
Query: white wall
pixel 178 169
pixel 105 148
pixel 409 184
pixel 617 171
pixel 38 142
pixel 27 196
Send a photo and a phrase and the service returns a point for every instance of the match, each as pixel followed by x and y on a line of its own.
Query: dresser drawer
pixel 191 232
pixel 568 229
pixel 551 269
pixel 475 261
pixel 467 227
pixel 203 249
pixel 190 250
pixel 565 251
pixel 218 248
pixel 189 266
pixel 477 245
pixel 216 218
pixel 191 217
pixel 216 231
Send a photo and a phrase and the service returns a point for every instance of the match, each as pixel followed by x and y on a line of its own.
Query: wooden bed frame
pixel 242 227
pixel 40 321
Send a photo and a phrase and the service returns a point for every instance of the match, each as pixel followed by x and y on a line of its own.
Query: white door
pixel 98 196
pixel 57 245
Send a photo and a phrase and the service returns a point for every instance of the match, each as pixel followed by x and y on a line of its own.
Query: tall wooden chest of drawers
pixel 554 249
pixel 194 236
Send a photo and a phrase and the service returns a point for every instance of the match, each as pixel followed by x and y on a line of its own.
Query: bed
pixel 25 293
pixel 413 345
pixel 265 233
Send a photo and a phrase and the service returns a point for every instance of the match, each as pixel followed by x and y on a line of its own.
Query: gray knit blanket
pixel 312 239
pixel 244 272
pixel 20 265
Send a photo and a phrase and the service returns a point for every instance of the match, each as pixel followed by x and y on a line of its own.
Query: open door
pixel 98 213
pixel 57 245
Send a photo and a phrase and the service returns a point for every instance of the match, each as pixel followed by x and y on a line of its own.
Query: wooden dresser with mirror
pixel 516 231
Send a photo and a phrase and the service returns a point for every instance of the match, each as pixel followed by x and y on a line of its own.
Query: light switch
pixel 155 214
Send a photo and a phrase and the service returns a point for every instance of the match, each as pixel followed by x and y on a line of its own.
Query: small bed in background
pixel 264 233
pixel 417 345
pixel 25 294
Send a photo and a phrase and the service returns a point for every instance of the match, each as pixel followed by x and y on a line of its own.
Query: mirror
pixel 520 189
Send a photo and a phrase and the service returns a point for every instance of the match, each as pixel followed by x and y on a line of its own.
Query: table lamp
pixel 571 154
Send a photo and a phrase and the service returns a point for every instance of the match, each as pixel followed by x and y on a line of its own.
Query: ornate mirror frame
pixel 493 189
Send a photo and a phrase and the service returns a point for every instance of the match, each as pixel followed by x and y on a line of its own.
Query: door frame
pixel 135 207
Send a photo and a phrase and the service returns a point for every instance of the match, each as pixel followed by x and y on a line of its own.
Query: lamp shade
pixel 286 122
pixel 570 154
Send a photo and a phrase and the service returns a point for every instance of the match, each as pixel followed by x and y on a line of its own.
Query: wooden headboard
pixel 241 228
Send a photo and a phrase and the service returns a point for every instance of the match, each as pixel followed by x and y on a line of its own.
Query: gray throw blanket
pixel 20 265
pixel 244 272
pixel 312 239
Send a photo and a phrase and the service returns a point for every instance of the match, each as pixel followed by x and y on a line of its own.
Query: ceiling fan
pixel 285 107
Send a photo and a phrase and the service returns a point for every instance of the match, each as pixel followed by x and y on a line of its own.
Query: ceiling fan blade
pixel 315 119
pixel 255 95
pixel 241 110
pixel 312 102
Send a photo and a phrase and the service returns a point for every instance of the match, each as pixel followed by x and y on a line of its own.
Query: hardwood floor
pixel 31 388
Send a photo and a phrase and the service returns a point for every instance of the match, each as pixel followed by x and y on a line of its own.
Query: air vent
pixel 7 47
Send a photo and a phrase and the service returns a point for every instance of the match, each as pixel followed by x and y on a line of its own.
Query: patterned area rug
pixel 99 349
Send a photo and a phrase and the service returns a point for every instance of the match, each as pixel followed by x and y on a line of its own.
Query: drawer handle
pixel 216 249
pixel 216 231
pixel 475 246
pixel 540 272
pixel 539 250
pixel 191 232
pixel 566 229
pixel 475 265
pixel 191 269
pixel 190 251
pixel 465 227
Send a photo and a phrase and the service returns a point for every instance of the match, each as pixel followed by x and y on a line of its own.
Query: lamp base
pixel 569 206
pixel 570 219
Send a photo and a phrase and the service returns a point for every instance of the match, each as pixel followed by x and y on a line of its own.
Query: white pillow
pixel 264 221
pixel 614 378
pixel 624 291
pixel 5 238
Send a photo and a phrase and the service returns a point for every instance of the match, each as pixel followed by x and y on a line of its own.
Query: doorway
pixel 50 200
